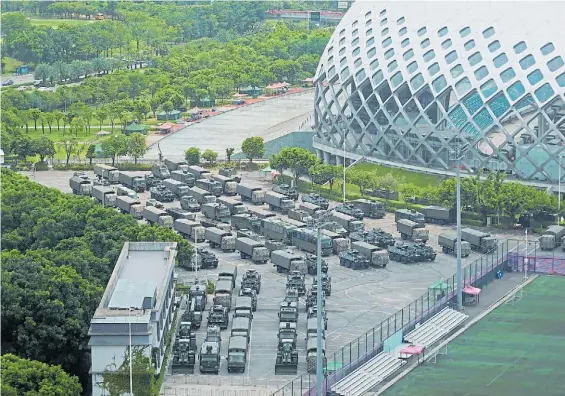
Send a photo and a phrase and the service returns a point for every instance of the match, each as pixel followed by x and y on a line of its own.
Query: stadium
pixel 410 84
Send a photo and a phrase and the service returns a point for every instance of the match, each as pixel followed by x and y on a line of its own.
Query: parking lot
pixel 359 300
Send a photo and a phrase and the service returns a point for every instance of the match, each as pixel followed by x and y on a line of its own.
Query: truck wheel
pixel 242 255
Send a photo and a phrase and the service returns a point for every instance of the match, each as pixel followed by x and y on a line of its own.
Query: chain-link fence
pixel 507 257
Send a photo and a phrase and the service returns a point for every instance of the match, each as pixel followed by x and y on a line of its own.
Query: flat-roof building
pixel 140 294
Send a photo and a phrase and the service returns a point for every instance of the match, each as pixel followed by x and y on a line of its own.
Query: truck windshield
pixel 287 316
pixel 237 357
pixel 208 358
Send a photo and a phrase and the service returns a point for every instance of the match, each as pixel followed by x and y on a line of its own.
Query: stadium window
pixel 383 12
pixel 520 47
pixel 369 32
pixel 547 49
pixel 465 31
pixel 507 74
pixel 488 32
pixel 451 57
pixel 442 32
pixel 368 22
pixel 378 77
pixel 469 45
pixel 355 32
pixel 489 88
pixel 343 61
pixel 387 42
pixel 500 60
pixel 555 63
pixel 342 51
pixel 516 90
pixel 417 81
pixel 384 32
pixel 389 54
pixel 439 84
pixel 384 21
pixel 535 77
pixel 396 79
pixel 355 41
pixel 404 43
pixel 428 56
pixel 356 51
pixel 342 32
pixel 372 52
pixel 412 67
pixel 475 58
pixel 330 50
pixel 342 41
pixel 456 71
pixel 527 62
pixel 494 46
pixel 403 31
pixel 408 55
pixel 561 80
pixel 400 21
pixel 463 86
pixel 446 44
pixel 370 42
pixel 425 43
pixel 433 69
pixel 545 92
pixel 358 62
pixel 374 64
pixel 392 66
pixel 481 73
pixel 367 15
pixel 422 31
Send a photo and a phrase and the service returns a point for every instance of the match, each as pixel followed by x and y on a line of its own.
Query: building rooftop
pixel 137 282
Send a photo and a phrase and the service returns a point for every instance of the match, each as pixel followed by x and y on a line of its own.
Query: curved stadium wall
pixel 408 83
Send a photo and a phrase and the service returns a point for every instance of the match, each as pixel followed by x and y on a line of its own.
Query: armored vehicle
pixel 237 354
pixel 311 353
pixel 213 334
pixel 252 279
pixel 81 185
pixel 311 262
pixel 160 171
pixel 278 202
pixel 251 293
pixel 311 297
pixel 197 295
pixel 218 315
pixel 299 215
pixel 151 180
pixel 229 185
pixel 353 259
pixel 286 190
pixel 287 358
pixel 162 193
pixel 273 245
pixel 291 295
pixel 244 307
pixel 438 214
pixel 316 200
pixel 216 211
pixel 286 261
pixel 184 177
pixel 246 221
pixel 403 253
pixel 336 228
pixel 377 257
pixel 479 240
pixel 409 229
pixel 189 203
pixel 350 210
pixel 425 252
pixel 206 259
pixel 295 280
pixel 381 238
pixel 372 209
pixel 234 205
pixel 288 312
pixel 255 194
pixel 155 203
pixel 192 315
pixel 412 215
pixel 230 172
pixel 184 356
pixel 209 357
pixel 448 244
pixel 287 332
pixel 241 326
pixel 313 312
pixel 326 284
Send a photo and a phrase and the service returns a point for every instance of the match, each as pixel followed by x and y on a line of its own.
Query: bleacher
pixel 436 327
pixel 367 376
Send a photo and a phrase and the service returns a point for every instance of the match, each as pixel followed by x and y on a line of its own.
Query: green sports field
pixel 516 350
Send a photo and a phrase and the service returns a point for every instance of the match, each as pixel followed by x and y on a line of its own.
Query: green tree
pixel 116 378
pixel 136 146
pixel 22 146
pixel 229 153
pixel 362 179
pixel 69 147
pixel 27 377
pixel 295 159
pixel 34 115
pixel 49 118
pixel 58 116
pixel 167 108
pixel 91 153
pixel 115 146
pixel 192 156
pixel 44 147
pixel 253 147
pixel 101 114
pixel 210 155
pixel 78 126
pixel 324 173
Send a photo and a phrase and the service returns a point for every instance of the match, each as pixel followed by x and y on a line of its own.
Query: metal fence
pixel 508 257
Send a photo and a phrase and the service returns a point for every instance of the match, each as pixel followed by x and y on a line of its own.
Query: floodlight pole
pixel 457 157
pixel 319 344
pixel 343 165
pixel 195 255
pixel 130 362
pixel 559 193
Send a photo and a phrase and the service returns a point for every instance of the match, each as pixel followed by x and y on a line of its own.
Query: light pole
pixel 130 362
pixel 343 165
pixel 195 255
pixel 456 155
pixel 559 191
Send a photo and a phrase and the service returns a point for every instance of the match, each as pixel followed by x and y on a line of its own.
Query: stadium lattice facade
pixel 407 83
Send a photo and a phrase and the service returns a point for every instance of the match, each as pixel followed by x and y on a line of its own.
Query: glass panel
pixel 342 51
pixel 422 31
pixel 355 32
pixel 451 57
pixel 383 22
pixel 456 71
pixel 555 63
pixel 489 88
pixel 360 75
pixel 516 90
pixel 367 15
pixel 465 31
pixel 535 77
pixel 370 42
pixel 417 81
pixel 330 50
pixel 425 43
pixel 403 31
pixel 475 58
pixel 463 86
pixel 400 20
pixel 371 52
pixel 357 62
pixel 488 33
pixel 342 41
pixel 526 62
pixel 469 45
pixel 508 74
pixel 561 80
pixel 392 66
pixel 473 102
pixel 345 73
pixel 384 32
pixel 547 49
pixel 368 22
pixel 374 64
pixel 442 32
pixel 500 60
pixel 428 56
pixel 356 51
pixel 342 32
pixel 378 77
pixel 408 55
pixel 383 12
pixel 520 47
pixel 404 43
pixel 343 61
pixel 369 32
pixel 481 73
pixel 396 79
pixel 355 41
pixel 389 54
pixel 412 67
pixel 354 23
pixel 499 105
pixel 545 92
pixel 433 69
pixel 439 84
pixel 387 42
pixel 446 44
pixel 494 46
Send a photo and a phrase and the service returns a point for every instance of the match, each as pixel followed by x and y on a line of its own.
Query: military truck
pixel 339 243
pixel 377 257
pixel 291 296
pixel 311 263
pixel 312 328
pixel 190 204
pixel 371 209
pixel 234 205
pixel 220 239
pixel 278 229
pixel 244 307
pixel 130 205
pixel 183 177
pixel 251 293
pixel 246 221
pixel 287 332
pixel 479 240
pixel 551 238
pixel 353 259
pixel 213 187
pixel 313 312
pixel 121 191
pixel 255 250
pixel 230 275
pixel 229 185
pixel 176 165
pixel 311 355
pixel 198 172
pixel 412 215
pixel 184 356
pixel 295 280
pixel 310 208
pixel 241 326
pixel 260 213
pixel 157 216
pixel 299 215
pixel 438 214
pixel 216 211
pixel 336 228
pixel 157 204
pixel 218 315
pixel 350 210
pixel 278 202
pixel 81 185
pixel 312 297
pixel 237 354
pixel 409 229
pixel 223 291
pixel 288 312
pixel 286 190
pixel 254 194
pixel 178 213
pixel 130 180
pixel 105 195
pixel 190 229
pixel 230 172
pixel 201 196
pixel 107 172
pixel 160 171
pixel 206 259
pixel 316 199
pixel 209 357
pixel 178 188
pixel 448 244
pixel 287 358
pixel 252 279
pixel 161 193
pixel 197 295
pixel 286 261
pixel 350 223
pixel 307 239
pixel 213 334
pixel 402 253
pixel 326 283
pixel 193 315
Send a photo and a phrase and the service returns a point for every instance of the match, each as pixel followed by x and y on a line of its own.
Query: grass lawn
pixel 54 23
pixel 11 65
pixel 403 176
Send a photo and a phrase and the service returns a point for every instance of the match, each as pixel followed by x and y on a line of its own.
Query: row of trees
pixel 58 252
pixel 60 72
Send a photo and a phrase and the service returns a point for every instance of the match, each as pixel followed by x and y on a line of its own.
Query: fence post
pixel 402 318
pixel 366 343
pixel 422 306
pixel 416 310
pixel 428 300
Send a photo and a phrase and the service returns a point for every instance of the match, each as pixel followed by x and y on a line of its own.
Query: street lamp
pixel 559 190
pixel 130 362
pixel 318 223
pixel 456 155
